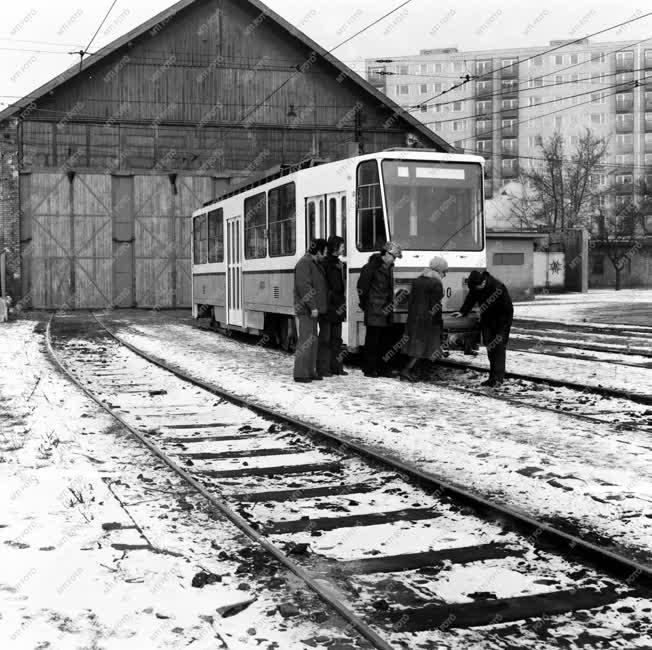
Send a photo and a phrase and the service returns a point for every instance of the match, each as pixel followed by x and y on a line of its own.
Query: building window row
pixel 423 89
pixel 485 66
pixel 429 68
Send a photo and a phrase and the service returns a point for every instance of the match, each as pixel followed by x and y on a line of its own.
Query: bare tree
pixel 558 193
pixel 619 226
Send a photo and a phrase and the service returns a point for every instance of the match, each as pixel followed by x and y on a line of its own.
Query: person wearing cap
pixel 310 301
pixel 424 322
pixel 496 314
pixel 376 294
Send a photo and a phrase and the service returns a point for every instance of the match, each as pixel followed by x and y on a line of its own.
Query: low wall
pixel 549 270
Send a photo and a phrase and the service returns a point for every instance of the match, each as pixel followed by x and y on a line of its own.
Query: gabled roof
pixel 167 14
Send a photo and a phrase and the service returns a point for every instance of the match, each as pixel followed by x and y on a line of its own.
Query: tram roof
pixel 286 170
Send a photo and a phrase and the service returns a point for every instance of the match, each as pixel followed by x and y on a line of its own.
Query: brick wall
pixel 10 207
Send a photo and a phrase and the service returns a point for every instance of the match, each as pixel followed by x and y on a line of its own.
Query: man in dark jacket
pixel 496 314
pixel 329 357
pixel 310 301
pixel 376 291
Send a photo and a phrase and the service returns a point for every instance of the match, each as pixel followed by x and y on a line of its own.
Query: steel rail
pixel 632 331
pixel 223 508
pixel 517 336
pixel 609 561
pixel 521 403
pixel 561 383
pixel 515 401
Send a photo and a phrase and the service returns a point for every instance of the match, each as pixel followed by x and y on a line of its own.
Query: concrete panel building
pixel 509 100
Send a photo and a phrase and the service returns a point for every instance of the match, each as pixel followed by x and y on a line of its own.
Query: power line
pixel 552 101
pixel 26 40
pixel 541 76
pixel 550 113
pixel 18 49
pixel 497 154
pixel 566 44
pixel 100 27
pixel 299 71
pixel 482 98
pixel 534 56
pixel 370 25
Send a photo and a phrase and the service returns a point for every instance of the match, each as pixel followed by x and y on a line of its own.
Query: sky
pixel 54 29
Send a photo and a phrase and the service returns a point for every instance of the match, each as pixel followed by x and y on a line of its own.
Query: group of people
pixel 320 301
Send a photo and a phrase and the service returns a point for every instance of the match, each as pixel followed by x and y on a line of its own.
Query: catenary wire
pixel 270 95
pixel 534 56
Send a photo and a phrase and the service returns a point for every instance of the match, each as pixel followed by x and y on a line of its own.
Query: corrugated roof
pixel 167 14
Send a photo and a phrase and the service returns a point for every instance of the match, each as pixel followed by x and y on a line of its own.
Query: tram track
pixel 229 464
pixel 612 407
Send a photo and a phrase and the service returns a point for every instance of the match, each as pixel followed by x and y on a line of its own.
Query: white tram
pixel 246 243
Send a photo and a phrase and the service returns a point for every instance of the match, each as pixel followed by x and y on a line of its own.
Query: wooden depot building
pixel 101 167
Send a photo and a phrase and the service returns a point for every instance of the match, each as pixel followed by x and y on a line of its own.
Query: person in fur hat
pixel 425 323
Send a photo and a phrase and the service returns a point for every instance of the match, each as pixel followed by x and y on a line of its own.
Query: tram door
pixel 336 225
pixel 234 315
pixel 315 218
pixel 326 216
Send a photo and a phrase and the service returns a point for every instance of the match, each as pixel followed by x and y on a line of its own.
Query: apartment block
pixel 511 100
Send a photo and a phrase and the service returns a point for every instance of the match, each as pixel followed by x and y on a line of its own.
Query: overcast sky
pixel 57 27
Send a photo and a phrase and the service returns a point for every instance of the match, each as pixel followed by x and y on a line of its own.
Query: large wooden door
pixel 233 248
pixel 66 239
pixel 92 251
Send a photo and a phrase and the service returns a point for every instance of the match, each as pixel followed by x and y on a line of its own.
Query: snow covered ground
pixel 546 464
pixel 100 542
pixel 594 374
pixel 598 306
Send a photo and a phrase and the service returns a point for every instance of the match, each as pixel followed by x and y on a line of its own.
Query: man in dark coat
pixel 310 301
pixel 496 314
pixel 329 357
pixel 376 292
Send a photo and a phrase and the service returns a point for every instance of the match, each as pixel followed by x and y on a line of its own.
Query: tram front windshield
pixel 434 205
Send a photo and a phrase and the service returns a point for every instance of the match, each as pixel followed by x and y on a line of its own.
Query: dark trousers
pixel 305 355
pixel 376 345
pixel 496 342
pixel 329 359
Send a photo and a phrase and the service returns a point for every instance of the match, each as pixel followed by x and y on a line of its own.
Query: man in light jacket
pixel 310 301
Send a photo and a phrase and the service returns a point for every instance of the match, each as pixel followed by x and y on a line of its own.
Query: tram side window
pixel 200 240
pixel 343 217
pixel 196 227
pixel 311 223
pixel 255 222
pixel 332 217
pixel 282 220
pixel 370 235
pixel 203 239
pixel 216 235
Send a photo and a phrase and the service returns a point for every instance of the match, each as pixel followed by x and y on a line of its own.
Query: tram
pixel 246 243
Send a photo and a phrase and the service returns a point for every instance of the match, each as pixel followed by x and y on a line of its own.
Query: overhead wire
pixel 551 112
pixel 86 49
pixel 468 78
pixel 270 95
pixel 541 76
